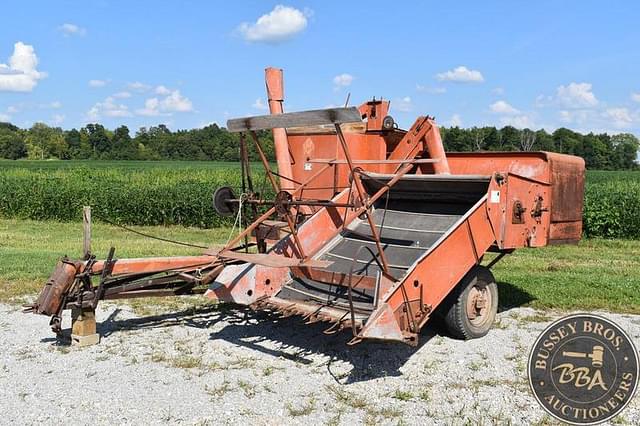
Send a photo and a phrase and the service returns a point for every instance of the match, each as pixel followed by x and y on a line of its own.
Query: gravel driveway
pixel 219 365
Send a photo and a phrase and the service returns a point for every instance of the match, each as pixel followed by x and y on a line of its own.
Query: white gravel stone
pixel 231 366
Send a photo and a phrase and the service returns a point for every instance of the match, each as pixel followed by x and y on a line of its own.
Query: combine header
pixel 372 228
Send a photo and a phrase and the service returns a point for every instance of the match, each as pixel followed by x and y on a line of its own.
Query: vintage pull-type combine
pixel 372 228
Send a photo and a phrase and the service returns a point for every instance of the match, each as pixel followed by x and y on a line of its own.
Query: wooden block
pixel 89 340
pixel 83 322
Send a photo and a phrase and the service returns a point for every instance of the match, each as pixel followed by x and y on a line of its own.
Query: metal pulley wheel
pixel 388 123
pixel 221 201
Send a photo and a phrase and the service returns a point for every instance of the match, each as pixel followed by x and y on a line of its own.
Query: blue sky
pixel 189 63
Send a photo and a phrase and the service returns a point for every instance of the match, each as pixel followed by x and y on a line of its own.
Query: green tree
pixel 510 138
pixel 99 140
pixel 73 139
pixel 45 142
pixel 625 149
pixel 123 148
pixel 12 145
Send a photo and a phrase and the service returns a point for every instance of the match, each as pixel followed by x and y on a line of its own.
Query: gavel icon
pixel 596 355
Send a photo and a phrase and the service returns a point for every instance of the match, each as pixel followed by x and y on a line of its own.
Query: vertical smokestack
pixel 436 151
pixel 275 94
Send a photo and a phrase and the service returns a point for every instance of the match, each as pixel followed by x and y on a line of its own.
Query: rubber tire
pixel 455 314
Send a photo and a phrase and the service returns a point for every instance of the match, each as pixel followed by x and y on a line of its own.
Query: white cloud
pixel 176 102
pixel 259 104
pixel 98 83
pixel 498 91
pixel 173 102
pixel 343 80
pixel 577 116
pixel 162 90
pixel 282 23
pixel 151 108
pixel 433 90
pixel 57 119
pixel 461 74
pixel 20 75
pixel 72 30
pixel 455 121
pixel 12 109
pixel 620 117
pixel 4 118
pixel 635 97
pixel 502 107
pixel 122 95
pixel 108 108
pixel 576 95
pixel 138 86
pixel 522 121
pixel 403 104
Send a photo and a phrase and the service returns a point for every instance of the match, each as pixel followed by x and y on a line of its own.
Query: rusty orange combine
pixel 372 229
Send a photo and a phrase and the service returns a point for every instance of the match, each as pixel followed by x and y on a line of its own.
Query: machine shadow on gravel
pixel 284 337
pixel 290 338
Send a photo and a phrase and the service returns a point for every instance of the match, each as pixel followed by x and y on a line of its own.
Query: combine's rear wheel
pixel 473 305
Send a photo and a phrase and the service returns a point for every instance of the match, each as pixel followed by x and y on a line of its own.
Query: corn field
pixel 179 193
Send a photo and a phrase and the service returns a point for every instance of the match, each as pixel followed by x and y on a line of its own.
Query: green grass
pixel 596 274
pixel 29 249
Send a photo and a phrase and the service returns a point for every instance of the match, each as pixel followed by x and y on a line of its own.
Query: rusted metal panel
pixel 561 203
pixel 533 230
pixel 50 299
pixel 155 264
pixel 567 198
pixel 532 165
pixel 565 232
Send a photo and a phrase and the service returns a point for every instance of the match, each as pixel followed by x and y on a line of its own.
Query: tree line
pixel 600 151
pixel 95 142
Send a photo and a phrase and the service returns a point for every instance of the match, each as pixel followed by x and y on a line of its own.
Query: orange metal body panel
pixel 375 111
pixel 432 277
pixel 562 175
pixel 423 136
pixel 514 190
pixel 326 146
pixel 155 264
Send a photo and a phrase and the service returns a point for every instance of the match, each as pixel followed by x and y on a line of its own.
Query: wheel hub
pixel 478 304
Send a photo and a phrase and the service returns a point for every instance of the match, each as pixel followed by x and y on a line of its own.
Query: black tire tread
pixel 455 313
